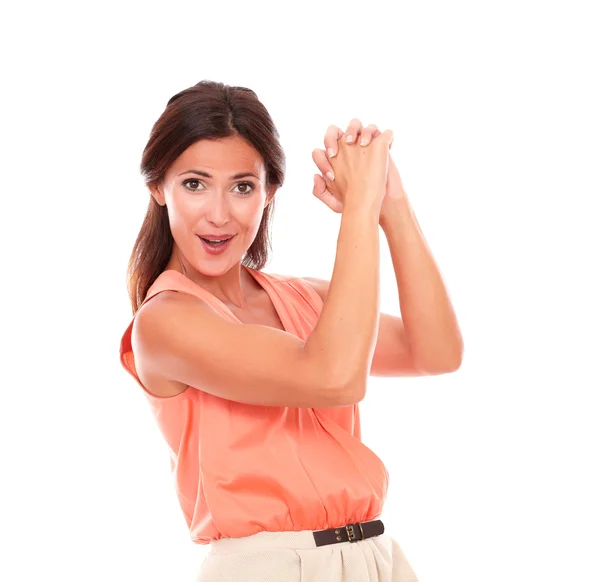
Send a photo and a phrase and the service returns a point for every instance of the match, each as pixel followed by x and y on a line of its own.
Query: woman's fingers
pixel 388 136
pixel 332 135
pixel 321 192
pixel 321 185
pixel 322 162
pixel 368 133
pixel 354 128
pixel 321 158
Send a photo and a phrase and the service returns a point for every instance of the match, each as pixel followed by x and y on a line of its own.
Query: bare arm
pixel 178 337
pixel 345 336
pixel 182 339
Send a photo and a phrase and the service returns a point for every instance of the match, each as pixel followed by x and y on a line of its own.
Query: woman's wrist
pixel 363 205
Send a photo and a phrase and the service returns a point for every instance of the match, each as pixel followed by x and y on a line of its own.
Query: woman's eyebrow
pixel 207 175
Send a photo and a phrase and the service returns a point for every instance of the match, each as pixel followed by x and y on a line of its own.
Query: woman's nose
pixel 218 209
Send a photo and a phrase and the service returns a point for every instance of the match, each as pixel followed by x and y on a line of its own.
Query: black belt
pixel 353 532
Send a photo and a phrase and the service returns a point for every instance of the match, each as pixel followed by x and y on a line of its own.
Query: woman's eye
pixel 191 184
pixel 186 182
pixel 247 191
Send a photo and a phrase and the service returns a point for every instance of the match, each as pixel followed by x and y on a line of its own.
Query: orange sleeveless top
pixel 240 469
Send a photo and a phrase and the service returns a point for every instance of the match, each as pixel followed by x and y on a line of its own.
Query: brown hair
pixel 207 110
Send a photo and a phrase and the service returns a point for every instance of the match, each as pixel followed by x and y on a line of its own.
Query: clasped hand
pixel 324 188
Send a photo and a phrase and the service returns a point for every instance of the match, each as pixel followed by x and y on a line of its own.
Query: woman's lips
pixel 215 249
pixel 219 237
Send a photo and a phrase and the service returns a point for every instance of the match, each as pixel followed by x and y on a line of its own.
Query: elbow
pixel 352 392
pixel 345 388
pixel 356 394
pixel 439 369
pixel 446 364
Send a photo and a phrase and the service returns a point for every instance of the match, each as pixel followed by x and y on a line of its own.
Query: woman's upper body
pixel 254 379
pixel 242 468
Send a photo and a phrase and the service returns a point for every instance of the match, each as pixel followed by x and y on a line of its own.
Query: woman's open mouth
pixel 216 247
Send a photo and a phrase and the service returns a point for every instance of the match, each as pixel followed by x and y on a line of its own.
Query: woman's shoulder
pixel 290 279
pixel 309 289
pixel 320 286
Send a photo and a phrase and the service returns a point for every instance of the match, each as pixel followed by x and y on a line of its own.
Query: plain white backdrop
pixel 494 106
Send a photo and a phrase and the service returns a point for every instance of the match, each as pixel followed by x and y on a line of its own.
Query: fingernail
pixel 363 141
pixel 349 138
pixel 331 175
pixel 330 152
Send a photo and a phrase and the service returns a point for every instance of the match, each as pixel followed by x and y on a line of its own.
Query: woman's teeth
pixel 215 242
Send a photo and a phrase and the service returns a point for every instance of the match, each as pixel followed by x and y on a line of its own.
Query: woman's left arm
pixel 427 334
pixel 430 323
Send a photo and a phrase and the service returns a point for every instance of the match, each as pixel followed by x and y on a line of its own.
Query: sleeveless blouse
pixel 239 469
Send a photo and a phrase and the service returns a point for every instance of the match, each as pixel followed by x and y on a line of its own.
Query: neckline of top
pixel 257 276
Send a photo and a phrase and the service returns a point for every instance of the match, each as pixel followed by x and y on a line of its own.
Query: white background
pixel 494 107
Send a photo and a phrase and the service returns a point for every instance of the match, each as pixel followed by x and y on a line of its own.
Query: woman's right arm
pixel 178 337
pixel 343 340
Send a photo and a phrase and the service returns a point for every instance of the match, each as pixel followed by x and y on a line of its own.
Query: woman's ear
pixel 270 195
pixel 157 193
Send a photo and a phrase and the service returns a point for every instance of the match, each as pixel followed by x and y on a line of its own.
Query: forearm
pixel 429 320
pixel 346 333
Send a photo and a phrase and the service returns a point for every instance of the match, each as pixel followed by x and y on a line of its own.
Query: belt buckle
pixel 352 534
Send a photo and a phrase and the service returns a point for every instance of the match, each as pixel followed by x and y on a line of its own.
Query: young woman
pixel 254 378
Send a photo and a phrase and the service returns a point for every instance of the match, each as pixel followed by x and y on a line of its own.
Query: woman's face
pixel 199 205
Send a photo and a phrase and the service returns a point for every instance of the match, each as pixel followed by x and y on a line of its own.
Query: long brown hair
pixel 207 110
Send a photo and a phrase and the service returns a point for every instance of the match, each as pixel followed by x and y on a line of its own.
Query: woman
pixel 254 378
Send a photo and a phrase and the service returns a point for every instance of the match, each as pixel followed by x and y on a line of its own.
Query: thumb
pixel 324 195
pixel 319 185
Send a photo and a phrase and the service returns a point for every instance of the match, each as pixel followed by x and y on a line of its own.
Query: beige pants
pixel 294 557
